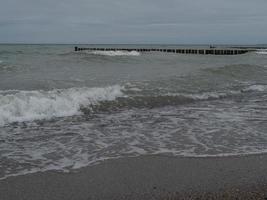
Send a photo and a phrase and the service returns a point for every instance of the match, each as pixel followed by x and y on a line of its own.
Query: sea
pixel 63 110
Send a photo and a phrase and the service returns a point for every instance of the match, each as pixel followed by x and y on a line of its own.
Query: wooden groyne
pixel 210 51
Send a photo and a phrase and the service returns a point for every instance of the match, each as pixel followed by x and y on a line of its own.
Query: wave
pixel 169 99
pixel 262 52
pixel 114 53
pixel 218 95
pixel 1 61
pixel 257 88
pixel 20 106
pixel 5 67
pixel 237 72
pixel 5 52
pixel 235 69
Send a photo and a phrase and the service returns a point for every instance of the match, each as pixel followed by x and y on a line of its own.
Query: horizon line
pixel 171 44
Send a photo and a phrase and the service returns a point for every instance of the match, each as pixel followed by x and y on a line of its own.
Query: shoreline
pixel 147 177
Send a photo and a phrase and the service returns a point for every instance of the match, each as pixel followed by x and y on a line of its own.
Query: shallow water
pixel 63 110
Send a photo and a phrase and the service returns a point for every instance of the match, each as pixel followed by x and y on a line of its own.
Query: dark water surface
pixel 63 110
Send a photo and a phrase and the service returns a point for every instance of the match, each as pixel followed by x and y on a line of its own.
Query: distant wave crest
pixel 114 53
pixel 262 52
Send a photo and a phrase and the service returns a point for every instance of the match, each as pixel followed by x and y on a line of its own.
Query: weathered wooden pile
pixel 212 51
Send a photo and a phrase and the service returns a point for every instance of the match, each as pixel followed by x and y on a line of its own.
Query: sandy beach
pixel 148 177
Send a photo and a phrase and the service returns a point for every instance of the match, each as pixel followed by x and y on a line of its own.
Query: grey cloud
pixel 133 21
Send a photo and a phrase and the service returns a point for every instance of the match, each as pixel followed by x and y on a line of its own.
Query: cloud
pixel 133 21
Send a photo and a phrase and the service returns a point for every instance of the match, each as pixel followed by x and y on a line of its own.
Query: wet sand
pixel 147 177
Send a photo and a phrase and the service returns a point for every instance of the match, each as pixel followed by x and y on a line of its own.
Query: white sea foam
pixel 206 130
pixel 257 88
pixel 206 95
pixel 115 53
pixel 33 105
pixel 262 51
pixel 218 95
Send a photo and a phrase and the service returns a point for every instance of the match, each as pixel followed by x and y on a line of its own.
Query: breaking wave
pixel 114 53
pixel 262 52
pixel 19 106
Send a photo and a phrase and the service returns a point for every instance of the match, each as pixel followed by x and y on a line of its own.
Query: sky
pixel 134 21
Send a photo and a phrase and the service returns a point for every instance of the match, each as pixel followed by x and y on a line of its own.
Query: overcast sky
pixel 134 21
